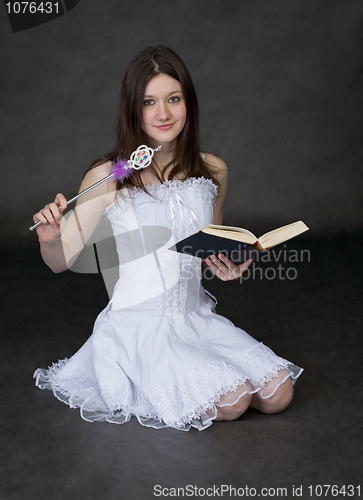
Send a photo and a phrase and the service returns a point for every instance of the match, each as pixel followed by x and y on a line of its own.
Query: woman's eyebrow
pixel 173 92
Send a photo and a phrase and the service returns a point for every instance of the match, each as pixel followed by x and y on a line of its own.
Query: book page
pixel 268 240
pixel 282 234
pixel 232 229
pixel 231 233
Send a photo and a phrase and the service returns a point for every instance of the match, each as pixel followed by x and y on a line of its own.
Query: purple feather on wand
pixel 122 169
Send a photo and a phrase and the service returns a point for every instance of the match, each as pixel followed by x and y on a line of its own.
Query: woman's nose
pixel 163 112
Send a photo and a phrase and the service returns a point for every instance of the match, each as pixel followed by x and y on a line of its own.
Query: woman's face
pixel 164 111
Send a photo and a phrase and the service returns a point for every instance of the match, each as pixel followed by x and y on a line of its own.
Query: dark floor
pixel 49 452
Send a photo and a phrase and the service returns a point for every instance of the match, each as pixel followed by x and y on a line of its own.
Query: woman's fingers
pixel 225 268
pixel 61 201
pixel 234 267
pixel 52 213
pixel 218 268
pixel 229 269
pixel 245 265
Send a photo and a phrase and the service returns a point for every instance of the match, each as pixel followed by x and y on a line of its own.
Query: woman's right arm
pixel 49 233
pixel 61 240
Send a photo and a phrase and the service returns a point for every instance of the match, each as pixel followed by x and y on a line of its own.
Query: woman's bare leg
pixel 279 401
pixel 237 409
pixel 274 404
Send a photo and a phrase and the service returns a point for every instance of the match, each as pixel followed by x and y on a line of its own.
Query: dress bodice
pixel 152 278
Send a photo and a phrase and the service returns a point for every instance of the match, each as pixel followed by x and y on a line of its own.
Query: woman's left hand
pixel 225 268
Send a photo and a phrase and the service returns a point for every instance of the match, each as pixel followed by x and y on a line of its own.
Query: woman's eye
pixel 175 98
pixel 148 102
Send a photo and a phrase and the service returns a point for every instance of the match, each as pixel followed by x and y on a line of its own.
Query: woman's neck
pixel 163 163
pixel 166 154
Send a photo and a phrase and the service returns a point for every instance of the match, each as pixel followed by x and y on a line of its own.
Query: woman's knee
pixel 276 403
pixel 234 410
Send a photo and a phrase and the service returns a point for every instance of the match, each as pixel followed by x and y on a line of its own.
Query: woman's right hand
pixel 50 217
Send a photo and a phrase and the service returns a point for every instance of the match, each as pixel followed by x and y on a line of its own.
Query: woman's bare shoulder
pixel 218 166
pixel 95 174
pixel 104 191
pixel 217 163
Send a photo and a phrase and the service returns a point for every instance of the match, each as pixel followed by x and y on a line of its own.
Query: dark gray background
pixel 280 91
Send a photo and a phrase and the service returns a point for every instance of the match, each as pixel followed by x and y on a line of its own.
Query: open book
pixel 237 243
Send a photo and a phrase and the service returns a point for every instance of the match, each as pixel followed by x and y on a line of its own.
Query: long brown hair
pixel 187 161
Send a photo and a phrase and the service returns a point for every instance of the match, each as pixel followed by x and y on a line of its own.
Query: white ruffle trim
pixel 188 402
pixel 190 188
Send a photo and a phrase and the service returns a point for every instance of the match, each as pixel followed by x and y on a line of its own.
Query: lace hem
pixel 188 402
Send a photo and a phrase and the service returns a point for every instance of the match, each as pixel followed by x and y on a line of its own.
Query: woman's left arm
pixel 222 266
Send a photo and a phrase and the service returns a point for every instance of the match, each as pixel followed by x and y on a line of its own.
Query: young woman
pixel 158 351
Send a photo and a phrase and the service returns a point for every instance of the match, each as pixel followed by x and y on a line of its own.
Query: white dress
pixel 158 350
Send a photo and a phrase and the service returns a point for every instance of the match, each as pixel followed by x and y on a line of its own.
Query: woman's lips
pixel 164 127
